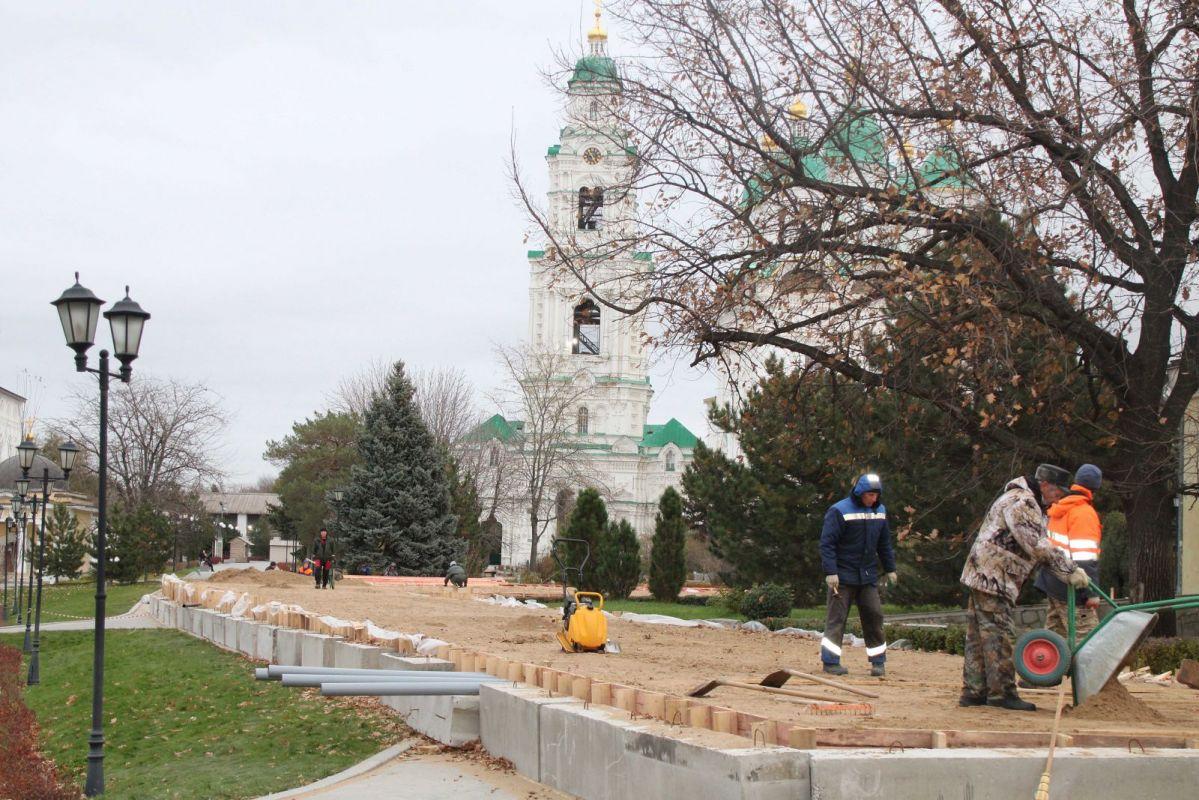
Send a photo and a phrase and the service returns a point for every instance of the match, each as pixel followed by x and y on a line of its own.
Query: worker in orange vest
pixel 1074 527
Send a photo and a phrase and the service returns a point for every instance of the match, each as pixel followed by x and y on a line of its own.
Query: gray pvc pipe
pixel 276 671
pixel 410 689
pixel 317 680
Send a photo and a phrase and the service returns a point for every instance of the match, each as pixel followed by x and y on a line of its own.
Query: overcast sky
pixel 293 189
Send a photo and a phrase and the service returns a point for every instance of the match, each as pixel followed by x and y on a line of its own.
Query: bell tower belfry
pixel 593 214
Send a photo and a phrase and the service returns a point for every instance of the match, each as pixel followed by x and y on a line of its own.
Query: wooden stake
pixel 532 674
pixel 700 717
pixel 940 740
pixel 516 672
pixel 581 688
pixel 601 694
pixel 724 721
pixel 802 738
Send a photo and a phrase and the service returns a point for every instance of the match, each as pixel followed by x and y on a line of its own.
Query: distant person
pixel 455 573
pixel 322 559
pixel 391 570
pixel 1074 528
pixel 206 560
pixel 1010 543
pixel 854 540
pixel 271 566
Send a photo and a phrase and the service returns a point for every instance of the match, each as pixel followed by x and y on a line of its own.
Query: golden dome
pixel 798 109
pixel 768 143
pixel 597 33
pixel 909 150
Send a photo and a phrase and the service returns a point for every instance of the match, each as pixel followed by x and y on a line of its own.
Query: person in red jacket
pixel 1074 528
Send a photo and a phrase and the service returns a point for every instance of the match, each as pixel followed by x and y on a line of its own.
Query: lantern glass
pixel 26 450
pixel 78 311
pixel 127 319
pixel 22 486
pixel 68 452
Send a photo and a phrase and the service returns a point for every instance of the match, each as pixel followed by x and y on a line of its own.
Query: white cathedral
pixel 598 351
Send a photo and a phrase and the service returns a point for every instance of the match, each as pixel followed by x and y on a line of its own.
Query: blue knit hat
pixel 1089 476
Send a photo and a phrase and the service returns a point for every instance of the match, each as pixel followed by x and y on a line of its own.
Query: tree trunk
pixel 534 537
pixel 1153 545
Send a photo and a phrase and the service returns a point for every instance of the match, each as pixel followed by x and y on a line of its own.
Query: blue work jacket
pixel 855 538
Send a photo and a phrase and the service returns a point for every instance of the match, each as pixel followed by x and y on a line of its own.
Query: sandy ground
pixel 920 690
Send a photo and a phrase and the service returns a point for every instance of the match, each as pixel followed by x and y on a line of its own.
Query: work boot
pixel 967 700
pixel 1011 702
pixel 878 671
pixel 835 669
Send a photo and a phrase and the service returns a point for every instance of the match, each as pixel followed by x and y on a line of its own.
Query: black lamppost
pixel 18 510
pixel 26 451
pixel 79 312
pixel 10 527
pixel 67 453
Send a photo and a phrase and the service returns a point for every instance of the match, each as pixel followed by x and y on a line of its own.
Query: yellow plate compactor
pixel 584 626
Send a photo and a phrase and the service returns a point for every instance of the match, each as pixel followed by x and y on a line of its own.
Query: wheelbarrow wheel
pixel 1042 657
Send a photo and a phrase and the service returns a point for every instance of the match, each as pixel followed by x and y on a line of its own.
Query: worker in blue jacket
pixel 855 538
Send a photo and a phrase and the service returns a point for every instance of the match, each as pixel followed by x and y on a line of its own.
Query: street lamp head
pixel 338 494
pixel 26 450
pixel 22 486
pixel 18 505
pixel 79 311
pixel 68 452
pixel 126 318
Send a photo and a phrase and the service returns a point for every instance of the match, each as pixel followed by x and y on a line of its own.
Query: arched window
pixel 670 461
pixel 581 421
pixel 587 329
pixel 593 111
pixel 591 208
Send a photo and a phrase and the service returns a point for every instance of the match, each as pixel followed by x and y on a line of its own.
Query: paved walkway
pixel 396 772
pixel 137 617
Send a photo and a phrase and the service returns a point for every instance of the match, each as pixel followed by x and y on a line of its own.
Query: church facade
pixel 599 355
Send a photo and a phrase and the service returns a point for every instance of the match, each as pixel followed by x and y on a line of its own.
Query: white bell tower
pixel 593 215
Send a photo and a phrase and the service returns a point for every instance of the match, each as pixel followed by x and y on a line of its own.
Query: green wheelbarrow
pixel 1043 657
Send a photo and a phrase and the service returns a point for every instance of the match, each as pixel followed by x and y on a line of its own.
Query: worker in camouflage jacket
pixel 1011 542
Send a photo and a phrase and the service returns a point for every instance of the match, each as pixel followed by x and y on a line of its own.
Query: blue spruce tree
pixel 397 505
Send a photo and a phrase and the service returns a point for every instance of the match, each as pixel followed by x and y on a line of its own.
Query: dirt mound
pixel 276 579
pixel 1114 702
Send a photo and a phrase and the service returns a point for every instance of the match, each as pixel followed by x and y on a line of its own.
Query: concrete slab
pixel 197 621
pixel 449 719
pixel 596 755
pixel 264 641
pixel 982 774
pixel 183 619
pixel 316 649
pixel 510 723
pixel 349 655
pixel 395 661
pixel 288 647
pixel 232 638
pixel 247 640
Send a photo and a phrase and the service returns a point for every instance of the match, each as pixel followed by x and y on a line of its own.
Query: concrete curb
pixel 361 768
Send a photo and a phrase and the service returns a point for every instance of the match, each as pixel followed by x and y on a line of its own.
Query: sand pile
pixel 276 579
pixel 1115 703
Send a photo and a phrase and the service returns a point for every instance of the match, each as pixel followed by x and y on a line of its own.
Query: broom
pixel 1043 788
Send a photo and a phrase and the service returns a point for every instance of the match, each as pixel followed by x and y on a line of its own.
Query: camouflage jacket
pixel 1011 542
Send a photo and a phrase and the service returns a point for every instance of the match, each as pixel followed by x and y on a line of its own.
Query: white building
pixel 12 408
pixel 600 351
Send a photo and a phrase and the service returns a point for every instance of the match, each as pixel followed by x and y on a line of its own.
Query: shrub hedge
pixel 766 600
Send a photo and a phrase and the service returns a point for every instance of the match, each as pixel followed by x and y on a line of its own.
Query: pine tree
pixel 464 502
pixel 667 569
pixel 618 564
pixel 397 505
pixel 66 543
pixel 587 521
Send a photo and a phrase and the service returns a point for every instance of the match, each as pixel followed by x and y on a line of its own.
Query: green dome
pixel 594 69
pixel 942 170
pixel 859 139
pixel 812 165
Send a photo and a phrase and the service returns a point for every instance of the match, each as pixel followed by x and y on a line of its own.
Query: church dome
pixel 10 471
pixel 594 68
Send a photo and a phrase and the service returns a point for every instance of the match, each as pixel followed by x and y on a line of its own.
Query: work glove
pixel 833 581
pixel 892 578
pixel 1079 579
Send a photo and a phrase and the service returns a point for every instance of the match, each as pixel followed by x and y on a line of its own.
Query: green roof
pixel 673 432
pixel 594 69
pixel 859 139
pixel 553 150
pixel 643 256
pixel 812 165
pixel 536 254
pixel 942 170
pixel 496 428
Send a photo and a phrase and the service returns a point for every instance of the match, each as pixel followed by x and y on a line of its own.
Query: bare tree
pixel 355 393
pixel 969 173
pixel 164 437
pixel 543 456
pixel 447 403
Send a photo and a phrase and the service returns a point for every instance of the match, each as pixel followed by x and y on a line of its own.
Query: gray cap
pixel 1089 476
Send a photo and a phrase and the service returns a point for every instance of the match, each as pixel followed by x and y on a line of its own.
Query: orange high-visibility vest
pixel 1074 525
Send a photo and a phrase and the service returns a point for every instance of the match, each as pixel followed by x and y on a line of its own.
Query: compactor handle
pixel 558 556
pixel 596 595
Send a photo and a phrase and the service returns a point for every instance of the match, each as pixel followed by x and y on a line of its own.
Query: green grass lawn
pixel 77 600
pixel 186 720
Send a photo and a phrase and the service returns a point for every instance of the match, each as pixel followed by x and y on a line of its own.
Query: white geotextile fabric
pixel 510 602
pixel 664 619
pixel 241 606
